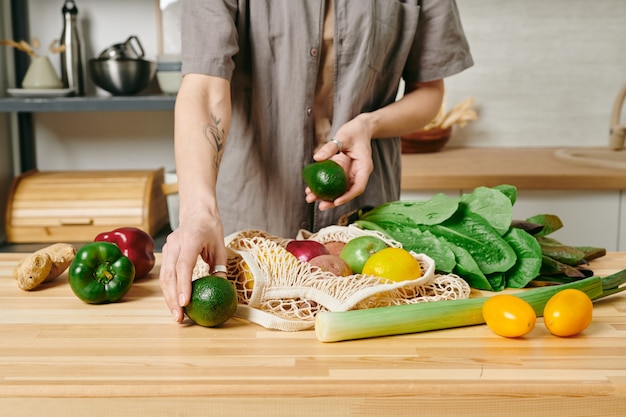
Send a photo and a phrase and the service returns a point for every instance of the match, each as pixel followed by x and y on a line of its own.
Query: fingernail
pixel 175 315
pixel 181 300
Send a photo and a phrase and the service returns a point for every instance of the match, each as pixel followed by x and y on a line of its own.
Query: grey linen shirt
pixel 269 50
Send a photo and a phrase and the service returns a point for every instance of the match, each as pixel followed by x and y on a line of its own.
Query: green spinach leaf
pixel 469 231
pixel 529 258
pixel 492 205
pixel 467 268
pixel 432 211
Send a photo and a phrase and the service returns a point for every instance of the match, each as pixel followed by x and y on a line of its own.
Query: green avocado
pixel 326 179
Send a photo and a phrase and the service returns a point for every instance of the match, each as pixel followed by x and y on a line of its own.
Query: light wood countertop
pixel 526 168
pixel 61 357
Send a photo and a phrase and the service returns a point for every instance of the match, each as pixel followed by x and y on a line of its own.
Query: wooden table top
pixel 61 357
pixel 526 168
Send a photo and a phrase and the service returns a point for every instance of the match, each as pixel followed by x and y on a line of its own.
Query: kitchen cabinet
pixel 590 218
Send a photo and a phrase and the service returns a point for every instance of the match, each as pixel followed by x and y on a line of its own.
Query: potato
pixel 333 264
pixel 334 247
pixel 43 265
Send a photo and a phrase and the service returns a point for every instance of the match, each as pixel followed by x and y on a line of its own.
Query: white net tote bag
pixel 278 291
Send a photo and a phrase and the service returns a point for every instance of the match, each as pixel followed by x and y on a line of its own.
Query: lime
pixel 326 179
pixel 213 301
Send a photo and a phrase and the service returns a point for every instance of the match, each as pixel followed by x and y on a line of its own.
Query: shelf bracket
pixel 20 27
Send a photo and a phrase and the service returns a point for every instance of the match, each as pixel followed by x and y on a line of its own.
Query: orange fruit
pixel 395 264
pixel 568 312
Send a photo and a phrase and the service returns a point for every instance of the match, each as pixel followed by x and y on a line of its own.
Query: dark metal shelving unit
pixel 25 107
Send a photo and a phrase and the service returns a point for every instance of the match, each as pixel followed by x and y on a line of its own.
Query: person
pixel 269 86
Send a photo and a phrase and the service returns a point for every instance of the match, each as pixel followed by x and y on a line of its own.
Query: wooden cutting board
pixel 61 357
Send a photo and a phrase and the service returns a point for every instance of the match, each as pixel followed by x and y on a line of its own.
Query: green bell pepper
pixel 100 273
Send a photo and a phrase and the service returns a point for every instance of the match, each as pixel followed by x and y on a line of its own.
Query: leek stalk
pixel 422 317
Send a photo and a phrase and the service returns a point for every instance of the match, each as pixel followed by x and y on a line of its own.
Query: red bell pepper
pixel 134 243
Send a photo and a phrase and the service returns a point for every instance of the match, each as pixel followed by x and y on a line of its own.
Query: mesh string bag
pixel 278 291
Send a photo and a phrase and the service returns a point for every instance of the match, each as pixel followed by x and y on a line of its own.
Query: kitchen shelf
pixel 88 103
pixel 25 107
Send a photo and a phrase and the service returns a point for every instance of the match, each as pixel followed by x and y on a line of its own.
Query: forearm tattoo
pixel 215 135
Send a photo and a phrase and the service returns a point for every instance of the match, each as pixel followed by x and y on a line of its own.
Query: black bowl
pixel 121 77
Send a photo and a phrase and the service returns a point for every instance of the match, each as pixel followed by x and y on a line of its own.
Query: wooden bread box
pixel 75 206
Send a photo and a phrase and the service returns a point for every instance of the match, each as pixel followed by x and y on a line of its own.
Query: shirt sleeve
pixel 440 48
pixel 209 37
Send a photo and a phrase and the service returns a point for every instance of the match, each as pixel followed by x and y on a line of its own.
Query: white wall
pixel 546 74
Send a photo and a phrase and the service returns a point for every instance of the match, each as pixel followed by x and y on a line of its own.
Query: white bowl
pixel 169 81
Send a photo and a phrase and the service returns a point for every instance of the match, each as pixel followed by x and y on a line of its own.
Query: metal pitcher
pixel 130 49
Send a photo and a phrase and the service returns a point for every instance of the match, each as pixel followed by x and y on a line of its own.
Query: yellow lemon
pixel 395 264
pixel 248 280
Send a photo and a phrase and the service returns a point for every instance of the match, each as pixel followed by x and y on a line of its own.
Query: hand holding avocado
pixel 326 179
pixel 338 180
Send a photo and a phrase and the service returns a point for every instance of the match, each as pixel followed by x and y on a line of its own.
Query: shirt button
pixel 314 51
pixel 309 111
pixel 304 225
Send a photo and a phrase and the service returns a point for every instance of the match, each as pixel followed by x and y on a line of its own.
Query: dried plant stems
pixel 29 48
pixel 55 48
pixel 460 114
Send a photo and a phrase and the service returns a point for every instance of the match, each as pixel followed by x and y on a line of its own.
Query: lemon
pixel 326 179
pixel 213 301
pixel 395 264
pixel 248 282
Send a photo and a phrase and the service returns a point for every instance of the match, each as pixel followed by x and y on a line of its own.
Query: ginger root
pixel 44 265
